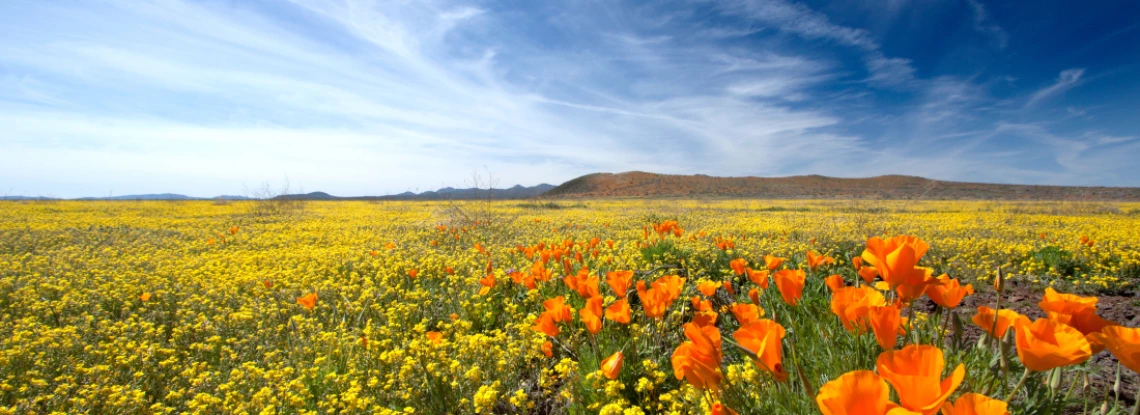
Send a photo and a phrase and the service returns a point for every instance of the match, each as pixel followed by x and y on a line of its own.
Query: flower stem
pixel 1020 383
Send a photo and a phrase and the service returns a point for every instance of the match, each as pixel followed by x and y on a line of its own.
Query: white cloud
pixel 1067 80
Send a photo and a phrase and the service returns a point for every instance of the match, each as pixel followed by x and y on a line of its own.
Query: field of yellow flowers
pixel 611 307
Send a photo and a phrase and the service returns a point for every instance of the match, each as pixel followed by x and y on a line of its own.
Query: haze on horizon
pixel 349 97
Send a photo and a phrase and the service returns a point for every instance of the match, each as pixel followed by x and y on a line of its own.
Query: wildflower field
pixel 580 307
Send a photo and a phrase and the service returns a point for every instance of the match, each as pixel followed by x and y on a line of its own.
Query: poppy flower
pixel 548 348
pixel 834 282
pixel 698 360
pixel 857 262
pixel 868 274
pixel 558 309
pixel 1124 343
pixel 790 282
pixel 738 266
pixel 488 282
pixel 765 339
pixel 773 262
pixel 886 321
pixel 610 243
pixel 975 404
pixel 746 313
pixel 592 314
pixel 1046 344
pixel 719 409
pixel 700 305
pixel 670 285
pixel 948 292
pixel 652 300
pixel 705 317
pixel 619 311
pixel 611 366
pixel 1087 322
pixel 851 305
pixel 859 392
pixel 758 277
pixel 619 281
pixel 145 297
pixel 435 337
pixel 916 374
pixel 374 253
pixel 390 246
pixel 413 272
pixel 309 301
pixel 816 260
pixel 1005 319
pixel 267 283
pixel 708 288
pixel 754 295
pixel 545 324
pixel 587 285
pixel 896 258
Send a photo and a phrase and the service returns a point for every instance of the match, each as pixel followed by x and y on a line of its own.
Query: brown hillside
pixel 642 184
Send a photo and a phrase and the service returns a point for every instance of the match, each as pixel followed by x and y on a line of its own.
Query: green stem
pixel 1020 383
pixel 1136 408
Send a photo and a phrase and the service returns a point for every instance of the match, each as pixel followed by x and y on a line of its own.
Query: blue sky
pixel 376 97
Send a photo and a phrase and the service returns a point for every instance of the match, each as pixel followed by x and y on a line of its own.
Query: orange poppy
pixel 975 404
pixel 859 392
pixel 233 229
pixel 145 297
pixel 548 348
pixel 309 301
pixel 413 273
pixel 698 360
pixel 916 374
pixel 738 265
pixel 857 262
pixel 700 305
pixel 545 324
pixel 764 338
pixel 374 253
pixel 670 285
pixel 746 313
pixel 267 283
pixel 592 314
pixel 719 409
pixel 435 337
pixel 868 274
pixel 754 295
pixel 587 284
pixel 708 288
pixel 948 292
pixel 758 277
pixel 790 282
pixel 619 311
pixel 834 282
pixel 1087 322
pixel 610 243
pixel 1005 319
pixel 896 258
pixel 886 321
pixel 558 309
pixel 619 281
pixel 705 317
pixel 1124 343
pixel 773 262
pixel 816 260
pixel 390 246
pixel 1046 344
pixel 851 305
pixel 488 282
pixel 1054 302
pixel 611 366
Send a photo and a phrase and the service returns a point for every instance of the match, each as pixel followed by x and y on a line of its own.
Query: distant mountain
pixel 642 184
pixel 26 198
pixel 158 196
pixel 447 193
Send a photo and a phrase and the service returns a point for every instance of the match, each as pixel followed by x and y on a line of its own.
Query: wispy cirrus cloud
pixel 1065 81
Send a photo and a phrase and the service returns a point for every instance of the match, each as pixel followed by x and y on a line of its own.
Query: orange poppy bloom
pixel 868 274
pixel 719 409
pixel 746 313
pixel 558 309
pixel 859 392
pixel 948 292
pixel 1046 344
pixel 916 374
pixel 435 337
pixel 545 324
pixel 610 243
pixel 449 270
pixel 834 282
pixel 1054 303
pixel 592 314
pixel 1124 343
pixel 738 265
pixel 698 360
pixel 619 311
pixel 267 283
pixel 816 260
pixel 548 348
pixel 619 281
pixel 790 282
pixel 700 305
pixel 670 285
pixel 708 288
pixel 145 297
pixel 896 258
pixel 1005 319
pixel 488 282
pixel 773 262
pixel 975 404
pixel 852 304
pixel 705 317
pixel 374 253
pixel 1087 322
pixel 754 295
pixel 765 339
pixel 857 262
pixel 611 366
pixel 413 272
pixel 886 321
pixel 390 246
pixel 915 284
pixel 758 277
pixel 309 301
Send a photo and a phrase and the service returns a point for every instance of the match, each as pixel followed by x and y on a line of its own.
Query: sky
pixel 205 98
